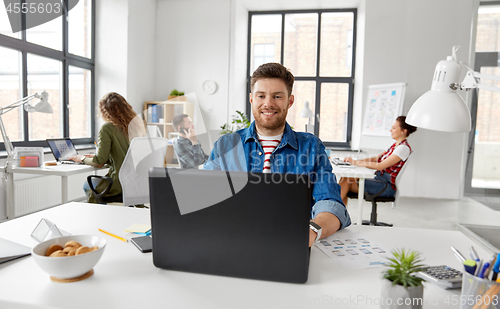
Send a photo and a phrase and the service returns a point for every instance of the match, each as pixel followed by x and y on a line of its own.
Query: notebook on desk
pixel 248 225
pixel 62 149
pixel 10 250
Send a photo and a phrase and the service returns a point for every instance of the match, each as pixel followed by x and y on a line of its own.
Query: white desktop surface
pixel 360 172
pixel 126 278
pixel 63 170
pixel 59 169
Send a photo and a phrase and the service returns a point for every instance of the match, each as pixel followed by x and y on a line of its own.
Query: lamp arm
pixel 8 144
pixel 18 103
pixel 473 79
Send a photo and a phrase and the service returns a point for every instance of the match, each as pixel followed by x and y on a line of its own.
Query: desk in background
pixel 126 278
pixel 356 172
pixel 63 170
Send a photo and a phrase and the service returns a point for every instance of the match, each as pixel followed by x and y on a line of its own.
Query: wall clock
pixel 209 86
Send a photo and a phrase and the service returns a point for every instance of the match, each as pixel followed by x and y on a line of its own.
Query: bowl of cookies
pixel 69 258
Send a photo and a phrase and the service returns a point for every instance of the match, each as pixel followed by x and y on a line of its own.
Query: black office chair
pixel 101 198
pixel 375 198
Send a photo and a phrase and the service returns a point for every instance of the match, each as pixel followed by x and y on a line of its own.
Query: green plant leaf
pixel 239 121
pixel 403 264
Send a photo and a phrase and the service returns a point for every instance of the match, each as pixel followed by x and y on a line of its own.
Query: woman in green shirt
pixel 122 125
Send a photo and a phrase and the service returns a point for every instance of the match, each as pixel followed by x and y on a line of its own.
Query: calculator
pixel 443 276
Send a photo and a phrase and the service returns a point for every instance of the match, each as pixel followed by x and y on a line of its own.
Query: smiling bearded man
pixel 270 145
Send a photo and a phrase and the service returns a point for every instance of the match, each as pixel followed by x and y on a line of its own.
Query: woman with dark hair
pixel 122 125
pixel 388 164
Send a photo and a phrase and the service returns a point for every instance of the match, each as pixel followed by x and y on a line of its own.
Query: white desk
pixel 126 278
pixel 63 170
pixel 356 172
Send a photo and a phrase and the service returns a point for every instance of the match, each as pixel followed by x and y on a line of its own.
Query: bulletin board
pixel 384 104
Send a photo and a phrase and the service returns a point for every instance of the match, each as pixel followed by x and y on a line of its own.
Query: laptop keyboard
pixel 69 162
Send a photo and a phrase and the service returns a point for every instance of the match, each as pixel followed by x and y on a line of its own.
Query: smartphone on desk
pixel 143 243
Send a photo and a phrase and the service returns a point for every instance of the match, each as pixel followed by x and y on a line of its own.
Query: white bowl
pixel 69 267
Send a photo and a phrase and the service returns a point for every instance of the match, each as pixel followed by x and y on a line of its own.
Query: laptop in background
pixel 257 228
pixel 62 149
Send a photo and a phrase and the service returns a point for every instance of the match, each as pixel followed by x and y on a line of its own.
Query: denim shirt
pixel 298 153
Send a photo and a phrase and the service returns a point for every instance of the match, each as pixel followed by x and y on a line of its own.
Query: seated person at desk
pixel 269 145
pixel 388 164
pixel 122 124
pixel 186 146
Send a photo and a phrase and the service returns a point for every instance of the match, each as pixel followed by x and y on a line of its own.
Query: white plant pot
pixel 398 297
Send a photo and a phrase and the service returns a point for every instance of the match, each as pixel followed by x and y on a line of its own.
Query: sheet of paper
pixel 353 250
pixel 138 228
pixel 10 250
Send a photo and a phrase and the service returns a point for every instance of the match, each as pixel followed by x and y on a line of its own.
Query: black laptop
pixel 238 224
pixel 62 149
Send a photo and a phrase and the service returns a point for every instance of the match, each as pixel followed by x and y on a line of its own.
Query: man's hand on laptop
pixel 329 224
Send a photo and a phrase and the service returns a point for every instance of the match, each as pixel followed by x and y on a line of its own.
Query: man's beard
pixel 277 122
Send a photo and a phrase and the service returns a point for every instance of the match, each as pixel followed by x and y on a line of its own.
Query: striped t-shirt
pixel 268 143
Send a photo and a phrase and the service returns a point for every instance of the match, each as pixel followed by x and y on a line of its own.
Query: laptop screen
pixel 62 148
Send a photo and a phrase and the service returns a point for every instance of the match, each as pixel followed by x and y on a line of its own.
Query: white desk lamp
pixel 41 106
pixel 442 108
pixel 306 112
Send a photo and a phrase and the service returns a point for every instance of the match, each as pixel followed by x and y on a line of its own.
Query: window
pixel 482 170
pixel 318 48
pixel 56 57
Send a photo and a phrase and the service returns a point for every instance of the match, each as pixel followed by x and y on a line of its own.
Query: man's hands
pixel 329 224
pixel 312 237
pixel 190 135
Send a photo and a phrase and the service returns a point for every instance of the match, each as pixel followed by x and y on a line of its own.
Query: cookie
pixel 83 250
pixel 73 243
pixel 58 253
pixel 53 249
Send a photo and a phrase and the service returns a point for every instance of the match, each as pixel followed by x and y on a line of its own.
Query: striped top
pixel 268 143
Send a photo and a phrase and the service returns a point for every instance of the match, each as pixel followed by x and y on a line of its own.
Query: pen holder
pixel 479 293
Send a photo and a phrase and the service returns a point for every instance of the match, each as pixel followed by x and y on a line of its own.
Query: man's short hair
pixel 177 121
pixel 273 70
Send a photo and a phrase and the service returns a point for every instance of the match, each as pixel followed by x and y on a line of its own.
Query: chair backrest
pixel 400 176
pixel 143 153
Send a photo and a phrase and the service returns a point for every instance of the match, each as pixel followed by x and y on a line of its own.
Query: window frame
pixel 318 79
pixel 25 47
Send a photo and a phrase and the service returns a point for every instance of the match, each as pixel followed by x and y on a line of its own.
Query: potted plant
pixel 400 287
pixel 240 121
pixel 174 93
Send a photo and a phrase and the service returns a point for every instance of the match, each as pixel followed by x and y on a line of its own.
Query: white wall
pixel 141 53
pixel 125 50
pixel 193 45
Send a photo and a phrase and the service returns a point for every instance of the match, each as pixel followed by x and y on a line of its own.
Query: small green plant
pixel 176 93
pixel 402 267
pixel 240 121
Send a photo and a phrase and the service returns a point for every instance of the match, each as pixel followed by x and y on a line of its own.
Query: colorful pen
pixel 484 271
pixel 473 254
pixel 496 268
pixel 479 267
pixel 458 254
